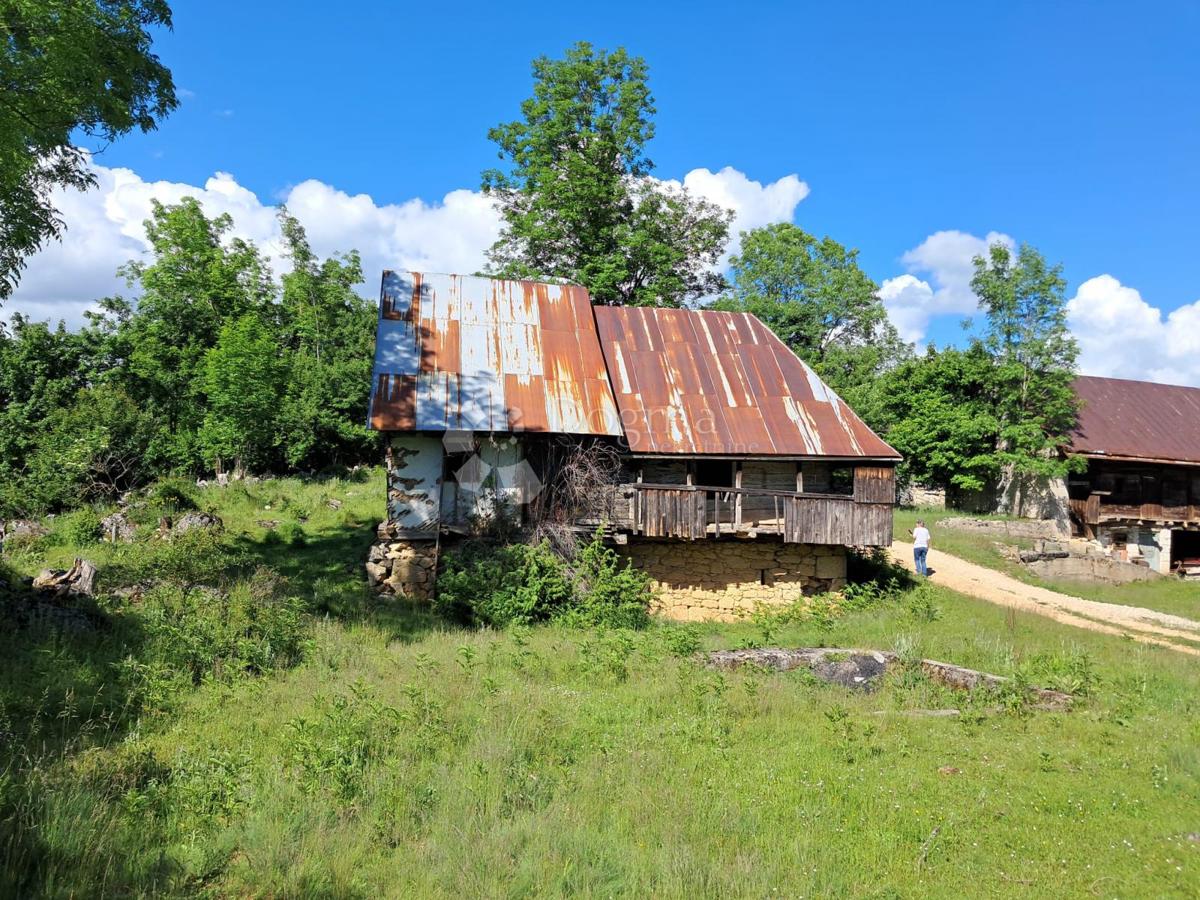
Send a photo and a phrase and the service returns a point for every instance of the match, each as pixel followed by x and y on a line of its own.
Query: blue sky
pixel 1073 126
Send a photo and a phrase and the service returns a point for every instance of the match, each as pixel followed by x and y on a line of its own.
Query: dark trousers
pixel 919 554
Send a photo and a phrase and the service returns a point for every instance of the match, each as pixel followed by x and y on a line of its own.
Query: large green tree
pixel 243 377
pixel 198 279
pixel 1000 409
pixel 937 410
pixel 329 334
pixel 1033 355
pixel 576 195
pixel 68 68
pixel 813 294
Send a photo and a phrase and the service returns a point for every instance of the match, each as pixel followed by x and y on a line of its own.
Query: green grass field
pixel 394 755
pixel 1170 595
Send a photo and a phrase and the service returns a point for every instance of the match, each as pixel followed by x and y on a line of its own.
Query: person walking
pixel 920 536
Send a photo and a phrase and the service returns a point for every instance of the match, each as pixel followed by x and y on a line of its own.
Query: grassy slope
pixel 1169 595
pixel 566 763
pixel 406 758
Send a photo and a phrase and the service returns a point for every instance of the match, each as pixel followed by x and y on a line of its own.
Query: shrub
pixel 503 585
pixel 609 593
pixel 172 496
pixel 199 632
pixel 78 529
pixel 291 534
pixel 507 584
pixel 195 557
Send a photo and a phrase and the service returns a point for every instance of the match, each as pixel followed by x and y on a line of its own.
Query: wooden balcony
pixel 692 512
pixel 1097 510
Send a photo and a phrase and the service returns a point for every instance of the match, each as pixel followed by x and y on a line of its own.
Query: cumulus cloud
pixel 907 299
pixel 945 259
pixel 1122 336
pixel 753 203
pixel 105 228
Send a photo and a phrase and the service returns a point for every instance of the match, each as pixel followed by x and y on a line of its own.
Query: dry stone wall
pixel 721 580
pixel 402 567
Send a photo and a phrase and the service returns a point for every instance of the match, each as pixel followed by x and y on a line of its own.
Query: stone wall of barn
pixel 721 580
pixel 402 567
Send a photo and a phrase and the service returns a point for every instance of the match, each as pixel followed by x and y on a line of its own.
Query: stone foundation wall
pixel 402 567
pixel 709 579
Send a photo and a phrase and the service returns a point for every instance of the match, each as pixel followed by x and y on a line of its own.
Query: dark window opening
pixel 841 480
pixel 714 473
pixel 1185 549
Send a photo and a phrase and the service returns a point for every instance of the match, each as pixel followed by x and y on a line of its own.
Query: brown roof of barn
pixel 454 352
pixel 1137 420
pixel 457 352
pixel 721 383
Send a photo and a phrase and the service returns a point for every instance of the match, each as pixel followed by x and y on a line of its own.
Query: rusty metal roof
pixel 709 382
pixel 481 354
pixel 1137 420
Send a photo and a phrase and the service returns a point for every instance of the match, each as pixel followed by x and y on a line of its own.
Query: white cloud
pixel 907 299
pixel 753 203
pixel 105 228
pixel 946 259
pixel 1122 336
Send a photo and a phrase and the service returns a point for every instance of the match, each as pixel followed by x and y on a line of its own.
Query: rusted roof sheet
pixel 480 354
pixel 1137 420
pixel 708 382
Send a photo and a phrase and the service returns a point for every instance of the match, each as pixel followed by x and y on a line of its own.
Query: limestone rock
pixel 22 528
pixel 195 519
pixel 117 527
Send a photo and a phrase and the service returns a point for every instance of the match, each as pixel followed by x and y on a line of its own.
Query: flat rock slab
pixel 856 669
pixel 861 670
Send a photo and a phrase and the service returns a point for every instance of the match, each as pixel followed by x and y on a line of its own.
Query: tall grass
pixel 402 756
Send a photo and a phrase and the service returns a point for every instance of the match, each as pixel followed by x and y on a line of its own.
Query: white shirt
pixel 921 537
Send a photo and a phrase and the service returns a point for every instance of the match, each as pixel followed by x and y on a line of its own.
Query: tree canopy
pixel 1034 354
pixel 1005 404
pixel 813 294
pixel 77 66
pixel 214 366
pixel 576 196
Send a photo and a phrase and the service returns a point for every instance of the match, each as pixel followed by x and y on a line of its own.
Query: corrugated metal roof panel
pixel 1137 419
pixel 722 383
pixel 454 352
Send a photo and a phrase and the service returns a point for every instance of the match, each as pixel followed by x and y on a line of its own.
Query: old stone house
pixel 1139 497
pixel 739 475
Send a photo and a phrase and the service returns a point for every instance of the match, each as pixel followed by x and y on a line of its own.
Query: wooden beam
pixel 737 498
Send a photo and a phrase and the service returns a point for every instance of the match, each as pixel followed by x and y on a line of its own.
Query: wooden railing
pixel 1097 509
pixel 692 512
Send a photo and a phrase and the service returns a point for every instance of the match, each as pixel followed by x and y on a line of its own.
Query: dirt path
pixel 1147 626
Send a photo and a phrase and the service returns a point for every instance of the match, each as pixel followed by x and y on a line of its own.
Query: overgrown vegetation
pixel 499 584
pixel 212 368
pixel 251 722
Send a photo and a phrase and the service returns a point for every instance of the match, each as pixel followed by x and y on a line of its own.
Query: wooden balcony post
pixel 737 498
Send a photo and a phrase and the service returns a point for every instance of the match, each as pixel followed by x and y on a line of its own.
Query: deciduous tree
pixel 576 195
pixel 1033 356
pixel 68 68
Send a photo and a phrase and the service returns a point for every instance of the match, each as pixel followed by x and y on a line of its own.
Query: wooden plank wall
pixel 875 484
pixel 669 513
pixel 815 521
pixel 764 475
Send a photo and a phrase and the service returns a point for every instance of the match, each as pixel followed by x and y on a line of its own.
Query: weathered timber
pixel 685 511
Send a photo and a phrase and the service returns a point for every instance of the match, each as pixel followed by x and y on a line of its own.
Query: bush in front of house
pixel 520 584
